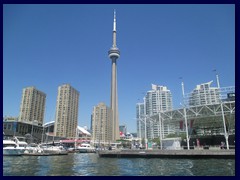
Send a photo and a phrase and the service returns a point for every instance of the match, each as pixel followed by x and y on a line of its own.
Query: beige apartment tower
pixel 32 105
pixel 101 124
pixel 66 118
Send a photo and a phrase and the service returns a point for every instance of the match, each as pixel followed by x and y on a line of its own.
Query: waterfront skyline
pixel 49 45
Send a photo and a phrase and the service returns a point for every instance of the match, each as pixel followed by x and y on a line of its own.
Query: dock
pixel 226 154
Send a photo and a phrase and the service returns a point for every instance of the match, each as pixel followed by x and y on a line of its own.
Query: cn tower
pixel 114 54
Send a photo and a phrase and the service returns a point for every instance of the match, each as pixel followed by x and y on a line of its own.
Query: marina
pixel 86 160
pixel 16 147
pixel 182 124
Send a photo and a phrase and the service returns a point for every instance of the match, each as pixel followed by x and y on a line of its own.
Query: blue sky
pixel 48 45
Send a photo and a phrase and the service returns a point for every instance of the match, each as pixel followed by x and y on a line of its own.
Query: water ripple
pixel 91 165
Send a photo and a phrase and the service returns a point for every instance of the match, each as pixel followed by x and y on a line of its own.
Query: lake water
pixel 83 164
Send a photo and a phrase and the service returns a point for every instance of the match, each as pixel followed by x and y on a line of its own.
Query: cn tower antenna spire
pixel 114 21
pixel 114 30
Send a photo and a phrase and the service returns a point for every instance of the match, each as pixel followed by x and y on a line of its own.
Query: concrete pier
pixel 226 154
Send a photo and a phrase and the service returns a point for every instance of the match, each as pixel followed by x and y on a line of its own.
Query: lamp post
pixel 160 129
pixel 223 117
pixel 185 116
pixel 160 119
pixel 139 123
pixel 76 138
pixel 145 121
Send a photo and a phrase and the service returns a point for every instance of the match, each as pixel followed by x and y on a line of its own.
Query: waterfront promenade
pixel 228 154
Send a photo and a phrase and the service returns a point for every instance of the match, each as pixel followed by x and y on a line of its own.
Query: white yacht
pixel 86 148
pixel 54 150
pixel 14 147
pixel 33 149
pixel 10 148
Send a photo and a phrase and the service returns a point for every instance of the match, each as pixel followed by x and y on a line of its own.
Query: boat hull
pixel 12 152
pixel 86 151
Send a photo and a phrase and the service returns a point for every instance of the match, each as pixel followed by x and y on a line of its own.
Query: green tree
pixel 156 140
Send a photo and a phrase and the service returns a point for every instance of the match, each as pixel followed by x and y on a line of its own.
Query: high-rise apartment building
pixel 102 131
pixel 32 105
pixel 203 94
pixel 140 120
pixel 66 118
pixel 158 99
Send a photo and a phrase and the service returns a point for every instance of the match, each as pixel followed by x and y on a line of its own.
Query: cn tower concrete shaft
pixel 114 100
pixel 114 54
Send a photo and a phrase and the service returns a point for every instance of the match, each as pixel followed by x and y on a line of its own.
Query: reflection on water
pixel 91 165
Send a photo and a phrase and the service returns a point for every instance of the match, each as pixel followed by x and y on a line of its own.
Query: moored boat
pixel 33 149
pixel 86 148
pixel 10 148
pixel 54 150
